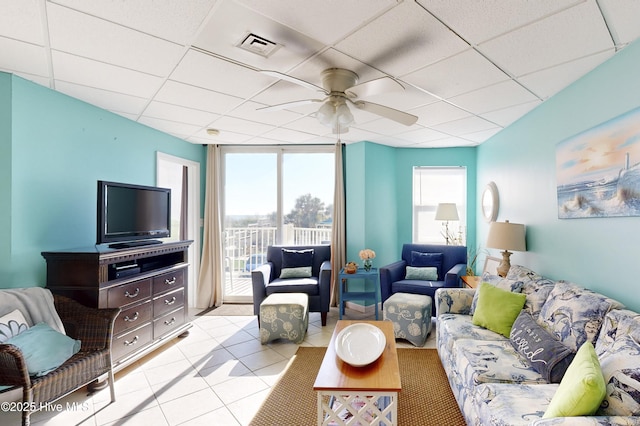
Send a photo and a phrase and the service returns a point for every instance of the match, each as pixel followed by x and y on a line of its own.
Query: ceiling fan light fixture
pixel 343 115
pixel 326 114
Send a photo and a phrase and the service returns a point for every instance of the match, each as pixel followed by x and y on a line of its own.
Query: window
pixel 273 195
pixel 434 185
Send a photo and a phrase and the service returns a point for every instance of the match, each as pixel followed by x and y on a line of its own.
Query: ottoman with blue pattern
pixel 284 316
pixel 411 316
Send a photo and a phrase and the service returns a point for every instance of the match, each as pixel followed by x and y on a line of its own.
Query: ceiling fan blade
pixel 290 79
pixel 288 105
pixel 386 112
pixel 374 87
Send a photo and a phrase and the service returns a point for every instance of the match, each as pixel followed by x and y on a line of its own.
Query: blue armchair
pixel 266 279
pixel 450 263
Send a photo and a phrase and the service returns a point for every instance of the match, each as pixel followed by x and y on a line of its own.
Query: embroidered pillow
pixel 544 353
pixel 427 259
pixel 12 324
pixel 426 273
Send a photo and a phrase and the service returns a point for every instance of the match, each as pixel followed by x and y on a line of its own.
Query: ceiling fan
pixel 340 87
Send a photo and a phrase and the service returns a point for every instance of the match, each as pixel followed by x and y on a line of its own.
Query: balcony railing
pixel 245 248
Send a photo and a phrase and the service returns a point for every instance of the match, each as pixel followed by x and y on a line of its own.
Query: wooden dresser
pixel 148 283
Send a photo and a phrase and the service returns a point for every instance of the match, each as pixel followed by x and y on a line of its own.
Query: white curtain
pixel 211 277
pixel 338 244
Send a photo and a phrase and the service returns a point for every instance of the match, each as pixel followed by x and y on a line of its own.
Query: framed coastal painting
pixel 598 170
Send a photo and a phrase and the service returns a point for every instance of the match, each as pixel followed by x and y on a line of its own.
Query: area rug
pixel 426 398
pixel 228 310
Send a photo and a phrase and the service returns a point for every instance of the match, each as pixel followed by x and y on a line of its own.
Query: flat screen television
pixel 131 215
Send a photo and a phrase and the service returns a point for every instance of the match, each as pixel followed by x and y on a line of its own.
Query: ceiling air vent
pixel 258 45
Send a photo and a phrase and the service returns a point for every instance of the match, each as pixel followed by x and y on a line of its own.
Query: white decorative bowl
pixel 360 344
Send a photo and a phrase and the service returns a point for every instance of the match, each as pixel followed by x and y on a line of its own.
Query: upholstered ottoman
pixel 284 316
pixel 411 316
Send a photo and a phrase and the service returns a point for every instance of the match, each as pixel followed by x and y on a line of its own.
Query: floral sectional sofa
pixel 497 381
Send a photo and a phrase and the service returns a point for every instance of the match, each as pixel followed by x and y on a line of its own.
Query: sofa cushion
pixel 616 322
pixel 12 324
pixel 511 404
pixel 44 349
pixel 498 320
pixel 294 285
pixel 297 258
pixel 453 327
pixel 425 273
pixel 542 351
pixel 419 259
pixel 574 314
pixel 299 272
pixel 621 371
pixel 582 388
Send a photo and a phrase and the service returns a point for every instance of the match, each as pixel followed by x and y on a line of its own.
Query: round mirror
pixel 490 202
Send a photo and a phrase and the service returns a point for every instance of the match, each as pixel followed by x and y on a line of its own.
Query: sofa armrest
pixel 454 300
pixel 13 367
pixel 92 326
pixel 588 421
pixel 452 277
pixel 324 282
pixel 390 274
pixel 259 279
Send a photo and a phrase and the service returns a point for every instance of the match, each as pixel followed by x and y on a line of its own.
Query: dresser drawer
pixel 168 323
pixel 167 302
pixel 167 282
pixel 133 317
pixel 129 293
pixel 131 341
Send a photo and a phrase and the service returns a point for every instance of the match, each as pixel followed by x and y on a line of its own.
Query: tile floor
pixel 218 375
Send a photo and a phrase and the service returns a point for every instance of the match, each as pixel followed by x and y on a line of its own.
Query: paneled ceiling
pixel 469 67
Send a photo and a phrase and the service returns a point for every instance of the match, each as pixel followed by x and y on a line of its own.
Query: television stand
pixel 131 244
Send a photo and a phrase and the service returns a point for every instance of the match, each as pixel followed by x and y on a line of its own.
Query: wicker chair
pixel 94 328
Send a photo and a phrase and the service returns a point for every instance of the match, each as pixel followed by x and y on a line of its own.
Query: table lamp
pixel 506 236
pixel 447 212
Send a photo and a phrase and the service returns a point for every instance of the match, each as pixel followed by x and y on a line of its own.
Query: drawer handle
pixel 131 296
pixel 171 321
pixel 172 281
pixel 133 342
pixel 135 317
pixel 170 302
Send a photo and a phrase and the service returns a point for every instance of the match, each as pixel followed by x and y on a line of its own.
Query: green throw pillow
pixel 299 272
pixel 582 388
pixel 44 349
pixel 497 309
pixel 427 273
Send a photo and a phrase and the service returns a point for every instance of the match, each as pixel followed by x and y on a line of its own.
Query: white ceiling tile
pixel 111 101
pixel 22 57
pixel 623 18
pixel 224 137
pixel 506 116
pixel 478 21
pixel 550 81
pixel 287 135
pixel 172 127
pixel 403 100
pixel 342 16
pixel 483 135
pixel 402 40
pixel 250 111
pixel 423 134
pixel 497 96
pixel 464 126
pixel 357 135
pixel 461 73
pixel 231 23
pixel 449 142
pixel 188 96
pixel 308 125
pixel 172 112
pixel 439 112
pixel 284 91
pixel 574 33
pixel 202 70
pixel 42 81
pixel 22 20
pixel 170 20
pixel 96 74
pixel 241 126
pixel 82 35
pixel 386 127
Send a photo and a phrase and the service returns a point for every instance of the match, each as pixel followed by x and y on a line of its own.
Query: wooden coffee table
pixel 357 389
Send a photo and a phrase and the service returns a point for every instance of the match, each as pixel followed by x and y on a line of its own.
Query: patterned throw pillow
pixel 574 314
pixel 544 353
pixel 621 372
pixel 11 325
pixel 426 273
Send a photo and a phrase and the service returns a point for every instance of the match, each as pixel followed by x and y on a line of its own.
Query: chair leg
pixel 112 385
pixel 323 318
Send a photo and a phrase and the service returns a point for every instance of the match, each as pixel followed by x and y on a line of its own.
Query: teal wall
pixel 594 253
pixel 5 170
pixel 58 148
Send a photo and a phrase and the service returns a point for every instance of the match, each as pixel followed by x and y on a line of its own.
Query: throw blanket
pixel 35 303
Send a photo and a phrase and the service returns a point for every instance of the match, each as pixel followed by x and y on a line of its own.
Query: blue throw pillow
pixel 44 349
pixel 427 259
pixel 297 258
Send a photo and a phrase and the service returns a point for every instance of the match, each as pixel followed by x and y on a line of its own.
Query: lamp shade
pixel 506 236
pixel 447 211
